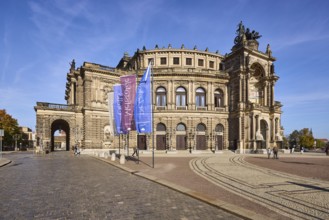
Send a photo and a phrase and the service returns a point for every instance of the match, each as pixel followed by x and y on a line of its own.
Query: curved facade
pixel 202 101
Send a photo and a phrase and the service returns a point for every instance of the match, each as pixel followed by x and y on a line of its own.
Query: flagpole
pixel 152 115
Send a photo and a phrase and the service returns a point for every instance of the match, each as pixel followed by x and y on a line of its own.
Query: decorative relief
pixel 161 83
pixel 203 84
pixel 181 82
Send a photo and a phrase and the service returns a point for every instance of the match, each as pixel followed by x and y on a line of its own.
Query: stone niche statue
pixel 108 137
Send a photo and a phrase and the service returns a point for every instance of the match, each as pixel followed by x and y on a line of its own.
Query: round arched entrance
pixel 201 142
pixel 63 127
pixel 263 131
pixel 161 137
pixel 181 143
pixel 219 137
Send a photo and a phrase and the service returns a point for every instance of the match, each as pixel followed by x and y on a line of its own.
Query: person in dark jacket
pixel 275 153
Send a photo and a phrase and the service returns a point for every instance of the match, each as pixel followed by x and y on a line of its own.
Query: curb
pixel 228 207
pixel 4 162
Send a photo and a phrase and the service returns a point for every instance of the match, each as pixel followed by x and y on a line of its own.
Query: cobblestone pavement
pixel 293 196
pixel 61 186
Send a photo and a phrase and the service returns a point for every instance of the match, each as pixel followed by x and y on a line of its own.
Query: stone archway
pixel 263 132
pixel 219 137
pixel 201 142
pixel 161 137
pixel 60 124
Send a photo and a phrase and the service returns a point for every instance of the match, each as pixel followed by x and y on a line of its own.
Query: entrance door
pixel 219 142
pixel 161 142
pixel 141 143
pixel 201 143
pixel 180 142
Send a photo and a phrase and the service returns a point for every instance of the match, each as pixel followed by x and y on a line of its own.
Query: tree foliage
pixel 303 138
pixel 320 143
pixel 10 127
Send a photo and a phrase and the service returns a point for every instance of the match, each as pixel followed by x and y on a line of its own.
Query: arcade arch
pixel 161 137
pixel 60 125
pixel 201 142
pixel 181 137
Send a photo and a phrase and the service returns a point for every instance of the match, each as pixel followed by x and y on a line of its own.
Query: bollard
pixel 122 159
pixel 113 157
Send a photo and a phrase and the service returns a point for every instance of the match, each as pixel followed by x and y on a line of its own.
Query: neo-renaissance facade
pixel 202 101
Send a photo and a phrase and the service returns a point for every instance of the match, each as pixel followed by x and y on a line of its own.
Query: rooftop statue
pixel 241 32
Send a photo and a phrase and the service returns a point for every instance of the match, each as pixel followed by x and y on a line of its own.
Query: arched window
pixel 161 98
pixel 200 97
pixel 161 127
pixel 219 128
pixel 256 88
pixel 219 98
pixel 180 96
pixel 201 127
pixel 180 127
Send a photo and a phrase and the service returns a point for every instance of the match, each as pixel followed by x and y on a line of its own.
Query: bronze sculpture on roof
pixel 242 33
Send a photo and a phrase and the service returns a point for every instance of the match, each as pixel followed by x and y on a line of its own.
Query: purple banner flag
pixel 128 84
pixel 143 104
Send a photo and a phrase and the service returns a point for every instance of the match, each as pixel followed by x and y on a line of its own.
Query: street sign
pixel 1 132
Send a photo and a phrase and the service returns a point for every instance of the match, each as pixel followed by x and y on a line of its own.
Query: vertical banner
pixel 128 84
pixel 110 97
pixel 143 104
pixel 117 108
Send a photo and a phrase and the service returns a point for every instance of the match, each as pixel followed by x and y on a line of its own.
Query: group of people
pixel 275 152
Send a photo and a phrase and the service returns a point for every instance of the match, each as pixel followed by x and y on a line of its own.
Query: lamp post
pixel 191 138
pixel 214 136
pixel 169 135
pixel 1 135
pixel 128 141
pixel 173 133
pixel 16 138
pixel 211 141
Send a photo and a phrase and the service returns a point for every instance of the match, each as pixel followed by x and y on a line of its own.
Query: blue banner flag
pixel 117 108
pixel 143 104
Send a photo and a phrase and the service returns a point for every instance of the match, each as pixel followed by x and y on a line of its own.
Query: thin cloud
pixel 299 39
pixel 305 99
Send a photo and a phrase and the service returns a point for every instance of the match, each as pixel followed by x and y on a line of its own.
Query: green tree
pixel 320 143
pixel 294 138
pixel 306 138
pixel 303 138
pixel 285 142
pixel 10 127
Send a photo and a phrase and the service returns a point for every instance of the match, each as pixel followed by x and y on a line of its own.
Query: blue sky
pixel 39 38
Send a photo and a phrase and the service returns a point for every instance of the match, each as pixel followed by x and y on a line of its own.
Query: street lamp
pixel 16 136
pixel 214 136
pixel 1 135
pixel 191 138
pixel 128 141
pixel 169 135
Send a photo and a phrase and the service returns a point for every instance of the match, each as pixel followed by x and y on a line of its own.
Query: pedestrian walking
pixel 327 149
pixel 135 152
pixel 76 150
pixel 269 152
pixel 275 153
